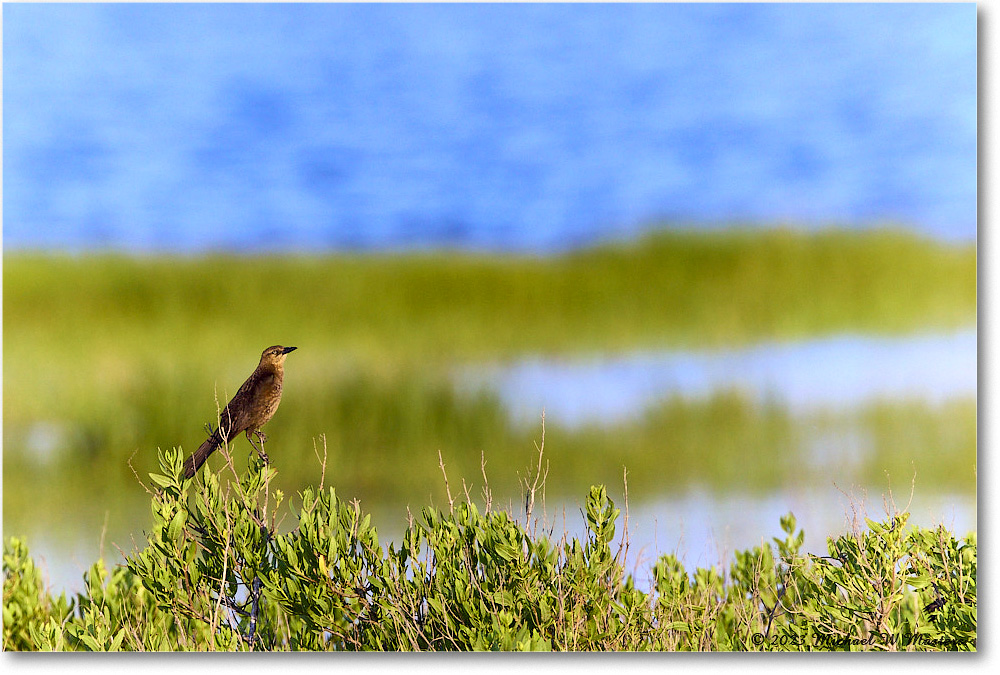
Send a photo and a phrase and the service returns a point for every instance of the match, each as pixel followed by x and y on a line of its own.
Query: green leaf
pixel 176 525
pixel 91 643
pixel 161 480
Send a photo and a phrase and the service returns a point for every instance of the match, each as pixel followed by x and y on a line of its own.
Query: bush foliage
pixel 218 573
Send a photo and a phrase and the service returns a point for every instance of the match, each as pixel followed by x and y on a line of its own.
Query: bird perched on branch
pixel 252 406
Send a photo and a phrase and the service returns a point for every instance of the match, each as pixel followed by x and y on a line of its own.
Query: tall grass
pixel 670 289
pixel 381 440
pixel 108 357
pixel 82 333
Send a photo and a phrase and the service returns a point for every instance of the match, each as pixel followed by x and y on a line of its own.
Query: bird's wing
pixel 241 409
pixel 235 416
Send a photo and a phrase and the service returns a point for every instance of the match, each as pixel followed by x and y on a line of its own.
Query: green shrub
pixel 218 573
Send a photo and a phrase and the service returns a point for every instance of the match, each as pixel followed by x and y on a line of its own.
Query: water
pixel 829 374
pixel 529 127
pixel 703 528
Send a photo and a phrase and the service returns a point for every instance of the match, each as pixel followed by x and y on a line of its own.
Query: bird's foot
pixel 261 437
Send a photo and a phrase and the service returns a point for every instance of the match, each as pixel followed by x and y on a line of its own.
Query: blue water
pixel 705 530
pixel 528 127
pixel 701 526
pixel 840 373
pixel 701 529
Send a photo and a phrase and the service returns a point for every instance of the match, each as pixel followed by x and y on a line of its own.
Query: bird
pixel 250 408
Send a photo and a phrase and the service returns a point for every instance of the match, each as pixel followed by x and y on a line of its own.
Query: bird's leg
pixel 261 437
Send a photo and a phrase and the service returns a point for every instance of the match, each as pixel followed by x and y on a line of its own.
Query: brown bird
pixel 252 406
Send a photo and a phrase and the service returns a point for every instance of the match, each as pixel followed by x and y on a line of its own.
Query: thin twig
pixel 451 502
pixel 487 495
pixel 623 545
pixel 777 603
pixel 222 581
pixel 322 463
pixel 532 483
pixel 136 474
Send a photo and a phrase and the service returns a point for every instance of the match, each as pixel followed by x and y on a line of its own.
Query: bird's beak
pixel 288 349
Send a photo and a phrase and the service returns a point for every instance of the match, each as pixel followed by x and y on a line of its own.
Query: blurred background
pixel 727 249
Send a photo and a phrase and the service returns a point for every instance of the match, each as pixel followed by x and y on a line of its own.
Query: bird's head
pixel 275 356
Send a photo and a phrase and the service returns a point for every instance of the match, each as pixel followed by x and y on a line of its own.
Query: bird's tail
pixel 194 461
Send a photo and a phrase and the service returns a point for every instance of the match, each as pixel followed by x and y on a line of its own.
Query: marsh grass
pixel 109 357
pixel 382 440
pixel 669 289
pixel 83 333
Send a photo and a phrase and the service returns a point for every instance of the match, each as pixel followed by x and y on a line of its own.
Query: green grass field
pixel 669 289
pixel 108 357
